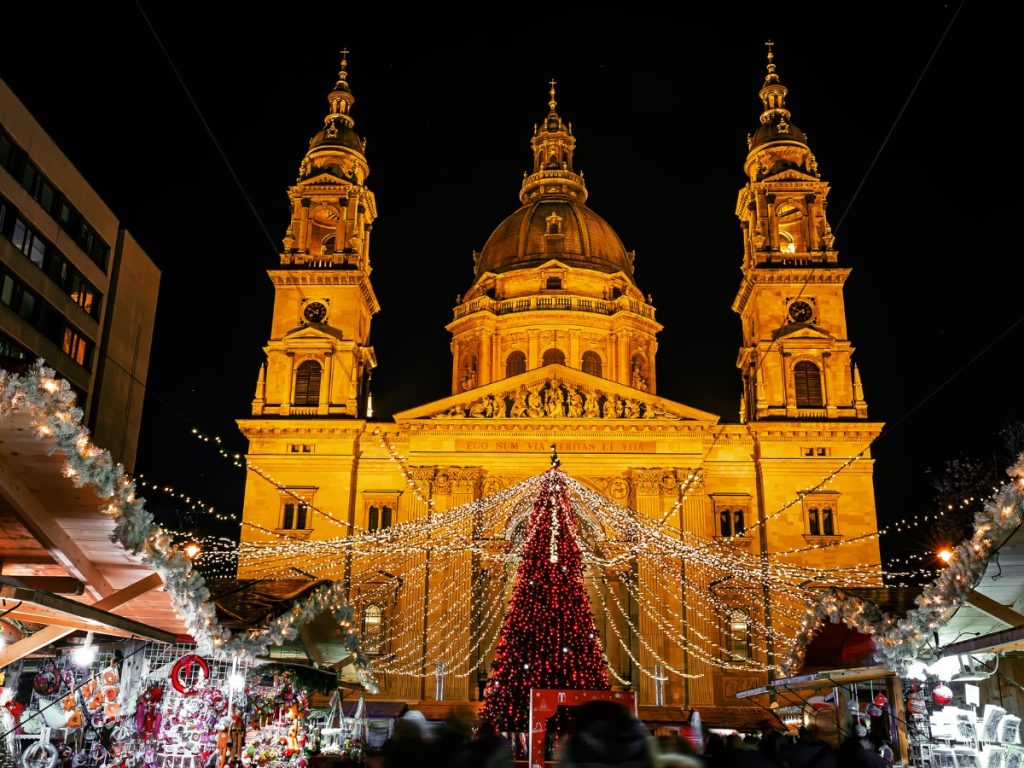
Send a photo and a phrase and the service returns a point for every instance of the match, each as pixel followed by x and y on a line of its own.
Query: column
pixel 694 517
pixel 647 490
pixel 484 374
pixel 324 406
pixel 574 359
pixel 286 405
pixel 622 357
pixel 303 241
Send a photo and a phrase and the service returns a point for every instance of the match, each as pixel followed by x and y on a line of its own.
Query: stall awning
pixel 993 642
pixel 819 680
pixel 738 718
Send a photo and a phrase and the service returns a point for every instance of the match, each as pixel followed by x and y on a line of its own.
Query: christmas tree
pixel 548 639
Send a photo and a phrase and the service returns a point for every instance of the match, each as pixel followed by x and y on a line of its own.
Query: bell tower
pixel 318 356
pixel 796 356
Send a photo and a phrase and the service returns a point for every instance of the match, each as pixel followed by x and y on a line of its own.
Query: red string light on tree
pixel 548 639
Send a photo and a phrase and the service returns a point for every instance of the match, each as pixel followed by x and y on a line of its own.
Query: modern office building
pixel 75 287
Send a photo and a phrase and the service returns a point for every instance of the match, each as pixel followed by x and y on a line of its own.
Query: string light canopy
pixel 623 553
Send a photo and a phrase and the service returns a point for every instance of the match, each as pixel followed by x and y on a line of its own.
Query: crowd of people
pixel 605 734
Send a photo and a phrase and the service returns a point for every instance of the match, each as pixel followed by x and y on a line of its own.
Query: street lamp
pixel 945 555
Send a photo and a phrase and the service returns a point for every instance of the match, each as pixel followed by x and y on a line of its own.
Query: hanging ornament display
pixel 942 694
pixel 46 681
pixel 189 674
pixel 40 754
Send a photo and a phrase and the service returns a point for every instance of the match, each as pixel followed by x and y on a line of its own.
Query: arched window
pixel 553 356
pixel 807 384
pixel 739 636
pixel 737 522
pixel 515 364
pixel 592 363
pixel 813 522
pixel 373 519
pixel 307 384
pixel 373 629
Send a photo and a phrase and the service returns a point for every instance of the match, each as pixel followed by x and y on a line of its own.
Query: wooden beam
pixel 11 653
pixel 306 635
pixel 67 621
pixel 40 523
pixel 59 585
pixel 992 608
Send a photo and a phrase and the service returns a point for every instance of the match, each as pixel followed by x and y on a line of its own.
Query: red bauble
pixel 942 694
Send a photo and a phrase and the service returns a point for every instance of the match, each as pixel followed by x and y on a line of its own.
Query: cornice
pixel 320 276
pixel 787 275
pixel 291 427
pixel 820 431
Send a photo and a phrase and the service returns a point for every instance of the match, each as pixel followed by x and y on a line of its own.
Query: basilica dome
pixel 554 228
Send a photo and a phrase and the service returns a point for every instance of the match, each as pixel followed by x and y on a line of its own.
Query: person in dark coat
pixel 857 751
pixel 810 751
pixel 605 733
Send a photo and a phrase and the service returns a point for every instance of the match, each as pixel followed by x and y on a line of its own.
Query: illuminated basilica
pixel 554 342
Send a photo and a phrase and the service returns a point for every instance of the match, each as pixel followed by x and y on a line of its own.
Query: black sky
pixel 661 110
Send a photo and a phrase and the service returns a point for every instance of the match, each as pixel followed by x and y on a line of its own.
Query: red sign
pixel 544 703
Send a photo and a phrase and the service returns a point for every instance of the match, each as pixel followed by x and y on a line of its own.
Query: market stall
pixel 836 700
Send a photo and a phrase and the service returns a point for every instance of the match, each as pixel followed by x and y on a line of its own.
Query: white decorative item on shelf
pixel 1010 730
pixel 966 726
pixel 943 757
pixel 966 757
pixel 943 723
pixel 991 722
pixel 993 756
pixel 1014 757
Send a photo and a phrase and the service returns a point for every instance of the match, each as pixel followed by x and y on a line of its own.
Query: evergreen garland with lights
pixel 548 639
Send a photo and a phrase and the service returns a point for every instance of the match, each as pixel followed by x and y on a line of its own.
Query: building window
pixel 297 509
pixel 807 385
pixel 378 518
pixel 554 284
pixel 295 516
pixel 592 363
pixel 553 356
pixel 738 636
pixel 373 629
pixel 731 522
pixel 821 517
pixel 515 364
pixel 307 384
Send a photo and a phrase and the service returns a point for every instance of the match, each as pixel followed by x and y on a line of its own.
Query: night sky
pixel 661 111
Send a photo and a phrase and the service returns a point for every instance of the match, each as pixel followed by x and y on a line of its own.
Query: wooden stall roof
pixel 52 532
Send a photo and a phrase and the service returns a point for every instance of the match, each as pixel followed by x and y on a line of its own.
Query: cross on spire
pixel 552 103
pixel 770 45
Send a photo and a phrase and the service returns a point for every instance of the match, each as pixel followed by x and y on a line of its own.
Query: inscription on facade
pixel 568 446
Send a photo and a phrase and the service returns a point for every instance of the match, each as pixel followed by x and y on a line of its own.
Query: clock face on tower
pixel 315 312
pixel 801 311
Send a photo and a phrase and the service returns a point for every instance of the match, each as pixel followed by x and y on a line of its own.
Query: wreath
pixel 39 754
pixel 181 674
pixel 47 681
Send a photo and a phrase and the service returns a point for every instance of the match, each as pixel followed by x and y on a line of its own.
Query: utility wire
pixel 209 131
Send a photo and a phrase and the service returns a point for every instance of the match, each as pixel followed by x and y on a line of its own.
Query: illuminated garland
pixel 50 403
pixel 898 641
